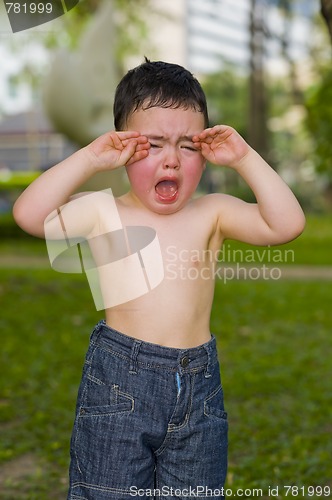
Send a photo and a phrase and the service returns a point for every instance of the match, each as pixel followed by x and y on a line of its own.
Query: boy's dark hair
pixel 159 84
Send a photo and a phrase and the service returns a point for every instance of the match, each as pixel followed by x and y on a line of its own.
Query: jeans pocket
pixel 101 399
pixel 100 396
pixel 214 404
pixel 119 403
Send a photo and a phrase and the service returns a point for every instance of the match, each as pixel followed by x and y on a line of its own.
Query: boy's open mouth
pixel 167 189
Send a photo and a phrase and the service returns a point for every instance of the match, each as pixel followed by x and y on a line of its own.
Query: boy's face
pixel 167 178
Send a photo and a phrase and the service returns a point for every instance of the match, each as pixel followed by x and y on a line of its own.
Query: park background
pixel 266 68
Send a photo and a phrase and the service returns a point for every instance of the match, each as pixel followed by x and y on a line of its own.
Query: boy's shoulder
pixel 217 208
pixel 93 195
pixel 213 201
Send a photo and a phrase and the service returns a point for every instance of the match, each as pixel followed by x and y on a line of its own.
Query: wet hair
pixel 157 84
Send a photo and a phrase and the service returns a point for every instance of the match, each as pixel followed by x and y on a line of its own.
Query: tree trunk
pixel 326 10
pixel 285 41
pixel 257 129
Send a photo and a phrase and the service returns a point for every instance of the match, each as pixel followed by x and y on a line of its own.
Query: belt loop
pixel 96 330
pixel 207 374
pixel 133 357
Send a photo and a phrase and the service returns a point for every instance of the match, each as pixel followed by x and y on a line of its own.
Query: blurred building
pixel 28 142
pixel 205 34
pixel 202 35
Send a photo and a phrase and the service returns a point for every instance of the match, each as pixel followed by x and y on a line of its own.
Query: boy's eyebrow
pixel 183 138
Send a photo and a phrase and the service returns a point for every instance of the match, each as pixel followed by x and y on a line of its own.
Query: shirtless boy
pixel 150 414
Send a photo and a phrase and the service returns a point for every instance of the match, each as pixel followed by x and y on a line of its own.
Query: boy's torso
pixel 176 313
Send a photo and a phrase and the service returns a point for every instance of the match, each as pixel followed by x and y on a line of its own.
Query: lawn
pixel 313 247
pixel 275 347
pixel 45 322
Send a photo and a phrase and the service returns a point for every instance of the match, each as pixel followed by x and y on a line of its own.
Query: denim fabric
pixel 150 421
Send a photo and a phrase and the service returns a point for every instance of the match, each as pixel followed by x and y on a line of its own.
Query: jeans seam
pixel 153 366
pixel 83 399
pixel 96 487
pixel 172 427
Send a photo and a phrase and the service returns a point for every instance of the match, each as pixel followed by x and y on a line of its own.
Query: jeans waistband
pixel 140 352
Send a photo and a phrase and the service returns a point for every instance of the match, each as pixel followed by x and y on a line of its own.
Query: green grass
pixel 275 347
pixel 313 247
pixel 45 324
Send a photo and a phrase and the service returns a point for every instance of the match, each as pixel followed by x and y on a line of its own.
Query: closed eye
pixel 190 148
pixel 155 145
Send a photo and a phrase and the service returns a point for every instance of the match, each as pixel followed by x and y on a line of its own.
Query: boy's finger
pixel 141 141
pixel 127 134
pixel 142 147
pixel 212 132
pixel 202 135
pixel 139 155
pixel 116 141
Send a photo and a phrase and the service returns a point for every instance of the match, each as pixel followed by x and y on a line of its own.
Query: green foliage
pixel 17 180
pixel 226 93
pixel 129 20
pixel 227 97
pixel 132 30
pixel 129 23
pixel 319 122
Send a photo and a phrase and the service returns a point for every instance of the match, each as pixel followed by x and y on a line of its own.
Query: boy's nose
pixel 171 160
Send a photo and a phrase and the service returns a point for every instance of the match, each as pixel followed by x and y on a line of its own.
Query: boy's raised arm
pixel 54 187
pixel 276 217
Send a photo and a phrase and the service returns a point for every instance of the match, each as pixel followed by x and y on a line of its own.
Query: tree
pixel 286 9
pixel 227 98
pixel 80 85
pixel 319 125
pixel 257 130
pixel 79 88
pixel 326 11
pixel 319 119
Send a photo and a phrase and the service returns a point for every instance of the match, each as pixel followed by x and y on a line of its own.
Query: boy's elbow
pixel 301 224
pixel 18 215
pixel 294 228
pixel 24 220
pixel 298 223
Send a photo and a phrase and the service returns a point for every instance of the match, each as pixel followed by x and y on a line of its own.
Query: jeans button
pixel 184 362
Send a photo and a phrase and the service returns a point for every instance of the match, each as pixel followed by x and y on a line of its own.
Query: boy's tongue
pixel 167 189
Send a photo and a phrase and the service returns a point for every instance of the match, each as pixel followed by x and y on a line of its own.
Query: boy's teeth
pixel 166 188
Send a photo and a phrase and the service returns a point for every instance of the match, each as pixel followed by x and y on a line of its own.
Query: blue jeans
pixel 150 422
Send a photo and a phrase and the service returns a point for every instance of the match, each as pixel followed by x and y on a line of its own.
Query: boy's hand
pixel 221 145
pixel 116 149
